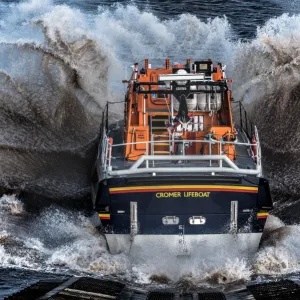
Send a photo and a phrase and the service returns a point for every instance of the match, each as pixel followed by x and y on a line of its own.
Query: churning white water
pixel 59 240
pixel 58 68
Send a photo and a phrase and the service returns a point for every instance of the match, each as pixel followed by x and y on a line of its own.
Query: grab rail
pixel 245 122
pixel 138 166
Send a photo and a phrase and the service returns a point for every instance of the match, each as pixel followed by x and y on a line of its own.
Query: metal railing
pixel 215 163
pixel 209 163
pixel 245 122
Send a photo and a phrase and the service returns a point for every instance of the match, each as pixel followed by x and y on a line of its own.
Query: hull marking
pixel 104 216
pixel 184 188
pixel 262 215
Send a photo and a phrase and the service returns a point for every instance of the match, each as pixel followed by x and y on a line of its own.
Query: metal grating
pixel 280 290
pixel 62 297
pixel 74 295
pixel 105 287
pixel 34 291
pixel 138 296
pixel 211 296
pixel 160 296
pixel 96 289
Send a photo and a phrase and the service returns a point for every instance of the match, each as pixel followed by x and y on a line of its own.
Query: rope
pixel 167 104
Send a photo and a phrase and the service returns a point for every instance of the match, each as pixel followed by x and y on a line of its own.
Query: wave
pixel 52 94
pixel 267 69
pixel 136 34
pixel 57 240
pixel 46 127
pixel 63 241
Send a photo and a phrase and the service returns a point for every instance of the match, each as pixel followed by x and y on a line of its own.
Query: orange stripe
pixel 183 190
pixel 104 216
pixel 208 188
pixel 263 215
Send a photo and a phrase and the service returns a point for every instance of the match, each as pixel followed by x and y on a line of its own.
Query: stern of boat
pixel 182 215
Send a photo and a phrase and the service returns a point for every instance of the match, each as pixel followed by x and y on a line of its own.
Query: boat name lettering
pixel 184 194
pixel 196 194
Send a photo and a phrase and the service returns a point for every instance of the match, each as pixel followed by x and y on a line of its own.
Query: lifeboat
pixel 179 174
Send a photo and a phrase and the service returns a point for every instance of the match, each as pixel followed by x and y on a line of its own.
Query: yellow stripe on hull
pixel 184 187
pixel 104 216
pixel 262 215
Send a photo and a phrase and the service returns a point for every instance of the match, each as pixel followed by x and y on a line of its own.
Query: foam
pixel 280 253
pixel 11 204
pixel 64 241
pixel 34 6
pixel 117 27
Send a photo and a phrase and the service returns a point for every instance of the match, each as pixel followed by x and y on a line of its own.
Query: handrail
pixel 245 123
pixel 186 141
pixel 183 157
pixel 137 168
pixel 258 152
pixel 183 170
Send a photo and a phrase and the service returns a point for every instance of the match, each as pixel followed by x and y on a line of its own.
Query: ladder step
pixel 161 152
pixel 159 120
pixel 161 144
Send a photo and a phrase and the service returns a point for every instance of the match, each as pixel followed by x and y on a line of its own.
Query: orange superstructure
pixel 169 109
